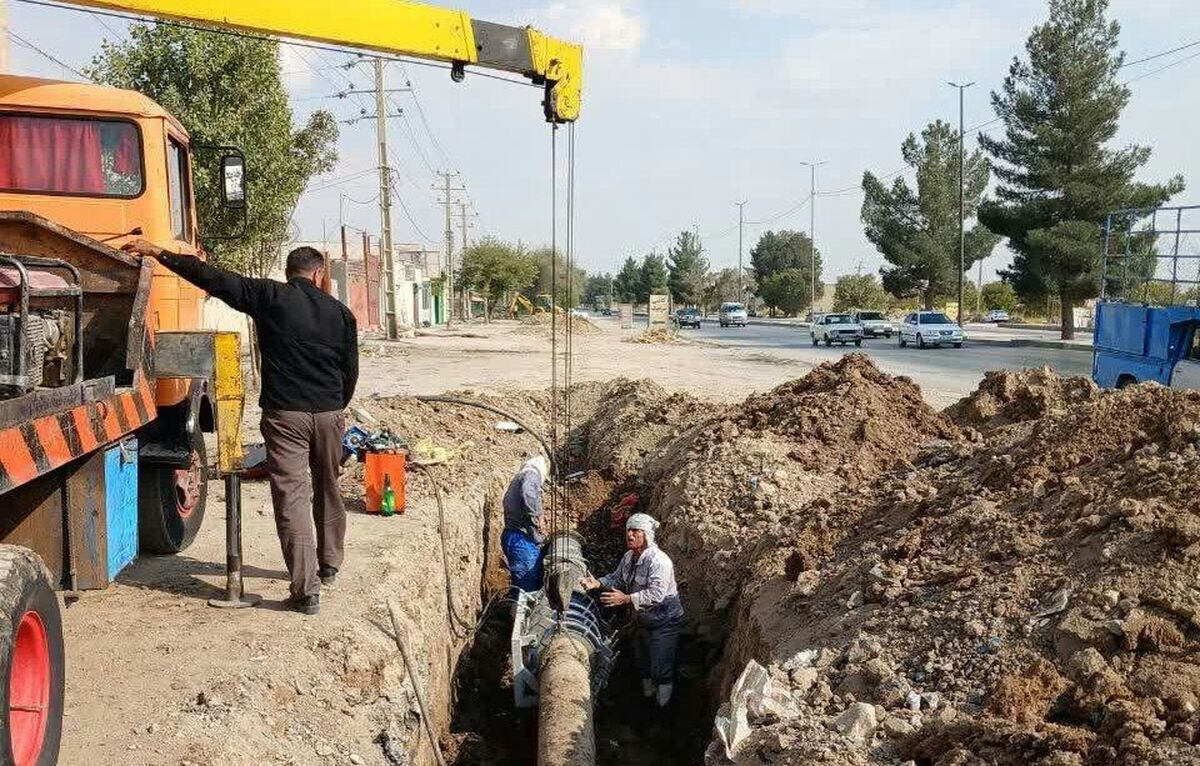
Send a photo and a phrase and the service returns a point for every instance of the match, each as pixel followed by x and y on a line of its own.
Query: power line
pixel 1163 68
pixel 1160 55
pixel 33 47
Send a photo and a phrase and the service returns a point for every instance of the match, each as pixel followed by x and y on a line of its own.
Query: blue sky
pixel 690 107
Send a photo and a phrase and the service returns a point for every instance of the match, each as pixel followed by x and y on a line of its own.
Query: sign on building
pixel 626 312
pixel 660 309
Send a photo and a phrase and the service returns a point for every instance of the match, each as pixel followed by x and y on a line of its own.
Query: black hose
pixel 497 411
pixel 451 610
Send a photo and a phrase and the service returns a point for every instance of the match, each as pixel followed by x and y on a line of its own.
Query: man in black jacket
pixel 309 350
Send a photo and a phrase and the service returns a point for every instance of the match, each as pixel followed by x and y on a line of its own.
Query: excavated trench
pixel 487 730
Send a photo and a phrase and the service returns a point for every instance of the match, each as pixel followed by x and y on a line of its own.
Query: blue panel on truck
pixel 121 497
pixel 1121 327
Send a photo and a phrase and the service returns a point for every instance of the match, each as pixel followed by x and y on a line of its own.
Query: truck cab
pixel 85 169
pixel 1140 343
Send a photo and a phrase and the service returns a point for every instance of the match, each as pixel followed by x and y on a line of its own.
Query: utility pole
pixel 385 207
pixel 962 204
pixel 812 231
pixel 462 218
pixel 741 206
pixel 448 281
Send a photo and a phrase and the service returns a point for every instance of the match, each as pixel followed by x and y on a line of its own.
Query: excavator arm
pixel 394 27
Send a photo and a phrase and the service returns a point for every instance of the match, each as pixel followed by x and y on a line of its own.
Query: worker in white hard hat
pixel 645 581
pixel 523 533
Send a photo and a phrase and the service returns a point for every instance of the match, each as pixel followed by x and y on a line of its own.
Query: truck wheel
pixel 31 658
pixel 920 341
pixel 1125 381
pixel 171 502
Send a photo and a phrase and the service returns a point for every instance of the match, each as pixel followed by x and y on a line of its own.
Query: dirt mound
pixel 544 323
pixel 1004 397
pixel 1028 597
pixel 725 478
pixel 658 336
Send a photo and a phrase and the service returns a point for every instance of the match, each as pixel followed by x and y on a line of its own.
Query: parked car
pixel 732 314
pixel 836 328
pixel 930 328
pixel 874 324
pixel 688 318
pixel 580 313
pixel 996 315
pixel 606 312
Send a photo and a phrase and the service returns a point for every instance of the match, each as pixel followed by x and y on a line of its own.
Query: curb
pixel 1030 343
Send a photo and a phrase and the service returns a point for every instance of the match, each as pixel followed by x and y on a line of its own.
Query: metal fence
pixel 1152 256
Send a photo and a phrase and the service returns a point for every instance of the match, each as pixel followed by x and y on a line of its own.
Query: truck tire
pixel 171 502
pixel 32 661
pixel 1125 381
pixel 920 341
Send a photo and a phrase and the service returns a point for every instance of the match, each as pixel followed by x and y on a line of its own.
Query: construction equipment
pixel 98 452
pixel 1148 316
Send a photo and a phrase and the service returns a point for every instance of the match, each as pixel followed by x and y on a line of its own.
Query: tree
pixel 496 268
pixel 775 252
pixel 596 290
pixel 1058 175
pixel 1000 295
pixel 917 231
pixel 687 269
pixel 567 292
pixel 721 288
pixel 788 290
pixel 859 291
pixel 627 285
pixel 653 276
pixel 228 91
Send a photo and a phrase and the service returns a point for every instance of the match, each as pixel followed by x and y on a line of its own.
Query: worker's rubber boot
pixel 664 694
pixel 647 688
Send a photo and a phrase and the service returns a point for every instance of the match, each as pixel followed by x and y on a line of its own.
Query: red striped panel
pixel 83 427
pixel 112 426
pixel 15 457
pixel 53 442
pixel 131 414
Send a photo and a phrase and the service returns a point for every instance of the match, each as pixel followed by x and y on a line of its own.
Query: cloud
pixel 605 25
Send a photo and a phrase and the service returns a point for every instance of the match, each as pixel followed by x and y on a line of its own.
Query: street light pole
pixel 741 222
pixel 962 211
pixel 812 232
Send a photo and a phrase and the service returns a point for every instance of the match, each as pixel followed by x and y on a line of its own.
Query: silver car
pixel 732 314
pixel 874 324
pixel 930 328
pixel 836 328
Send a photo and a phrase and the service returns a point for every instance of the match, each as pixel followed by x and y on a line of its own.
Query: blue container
pixel 121 501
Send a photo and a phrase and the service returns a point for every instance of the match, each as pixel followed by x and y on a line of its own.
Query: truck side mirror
pixel 233 181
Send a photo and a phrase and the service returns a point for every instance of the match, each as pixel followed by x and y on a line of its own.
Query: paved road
pixel 944 374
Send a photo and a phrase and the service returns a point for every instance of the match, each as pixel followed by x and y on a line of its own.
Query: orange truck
pixel 98 458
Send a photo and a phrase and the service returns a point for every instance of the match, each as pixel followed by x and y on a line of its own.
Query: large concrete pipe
pixel 565 733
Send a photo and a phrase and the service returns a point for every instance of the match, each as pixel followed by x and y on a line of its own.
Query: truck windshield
pixel 66 155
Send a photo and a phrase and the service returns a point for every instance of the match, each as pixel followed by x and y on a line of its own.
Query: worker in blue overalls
pixel 524 525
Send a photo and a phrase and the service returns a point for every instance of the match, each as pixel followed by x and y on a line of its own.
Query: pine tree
pixel 653 276
pixel 917 231
pixel 688 269
pixel 1058 176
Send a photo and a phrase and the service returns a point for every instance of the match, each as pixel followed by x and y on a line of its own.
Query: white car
pixel 836 328
pixel 732 314
pixel 874 324
pixel 996 315
pixel 580 313
pixel 930 328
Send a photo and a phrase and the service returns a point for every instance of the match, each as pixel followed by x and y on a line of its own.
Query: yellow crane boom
pixel 395 27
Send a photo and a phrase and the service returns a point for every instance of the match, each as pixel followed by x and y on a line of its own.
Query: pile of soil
pixel 657 336
pixel 542 324
pixel 1005 397
pixel 1026 597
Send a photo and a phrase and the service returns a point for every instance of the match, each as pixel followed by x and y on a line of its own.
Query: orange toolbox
pixel 383 466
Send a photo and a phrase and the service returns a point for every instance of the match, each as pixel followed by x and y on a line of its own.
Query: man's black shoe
pixel 304 604
pixel 328 575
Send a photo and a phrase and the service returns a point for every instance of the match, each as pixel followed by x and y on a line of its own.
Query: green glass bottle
pixel 388 505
